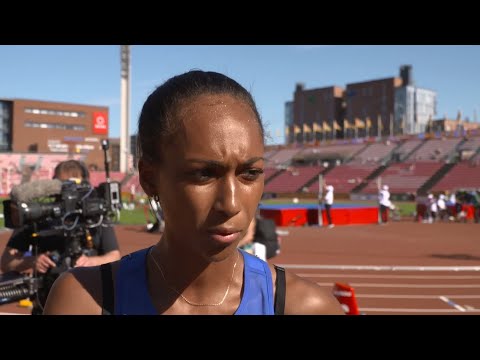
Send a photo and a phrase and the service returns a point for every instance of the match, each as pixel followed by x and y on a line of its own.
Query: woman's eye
pixel 203 174
pixel 252 174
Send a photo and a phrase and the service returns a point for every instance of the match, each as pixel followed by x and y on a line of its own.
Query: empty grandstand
pixel 409 165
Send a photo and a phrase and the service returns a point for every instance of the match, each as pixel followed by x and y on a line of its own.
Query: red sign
pixel 100 123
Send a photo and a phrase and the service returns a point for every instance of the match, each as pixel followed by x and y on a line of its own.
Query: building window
pixel 74 114
pixel 41 125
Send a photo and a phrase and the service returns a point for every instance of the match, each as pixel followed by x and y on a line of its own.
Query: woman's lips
pixel 225 238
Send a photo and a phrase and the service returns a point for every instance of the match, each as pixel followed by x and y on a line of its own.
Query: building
pixel 316 114
pixel 370 107
pixel 382 107
pixel 34 126
pixel 414 107
pixel 289 122
pixel 115 154
pixel 457 127
pixel 134 150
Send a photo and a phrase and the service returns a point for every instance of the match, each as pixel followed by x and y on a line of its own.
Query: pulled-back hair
pixel 157 120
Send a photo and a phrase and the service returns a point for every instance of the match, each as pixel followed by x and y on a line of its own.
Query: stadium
pixel 350 142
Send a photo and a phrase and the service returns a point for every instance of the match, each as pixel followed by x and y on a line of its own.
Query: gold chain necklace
pixel 183 297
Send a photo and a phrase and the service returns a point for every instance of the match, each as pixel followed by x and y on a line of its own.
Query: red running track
pixel 399 268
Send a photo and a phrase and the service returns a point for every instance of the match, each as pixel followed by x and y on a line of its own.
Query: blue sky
pixel 90 74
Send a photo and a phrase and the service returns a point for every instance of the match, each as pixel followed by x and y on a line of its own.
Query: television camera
pixel 51 208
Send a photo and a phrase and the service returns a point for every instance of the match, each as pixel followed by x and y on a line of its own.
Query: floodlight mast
pixel 125 107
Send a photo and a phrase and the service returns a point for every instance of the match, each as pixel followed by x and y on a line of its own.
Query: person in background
pixel 201 156
pixel 261 239
pixel 442 208
pixel 384 202
pixel 476 206
pixel 133 193
pixel 251 246
pixel 328 202
pixel 432 208
pixel 451 201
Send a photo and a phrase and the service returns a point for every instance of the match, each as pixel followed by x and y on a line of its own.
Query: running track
pixel 399 268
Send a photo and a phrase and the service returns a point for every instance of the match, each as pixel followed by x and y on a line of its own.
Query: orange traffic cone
pixel 346 296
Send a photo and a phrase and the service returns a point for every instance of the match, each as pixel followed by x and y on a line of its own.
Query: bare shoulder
pixel 304 297
pixel 77 291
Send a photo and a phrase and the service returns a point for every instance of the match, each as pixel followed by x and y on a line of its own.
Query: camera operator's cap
pixel 77 181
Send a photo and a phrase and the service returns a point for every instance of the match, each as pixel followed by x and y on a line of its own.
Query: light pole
pixel 124 107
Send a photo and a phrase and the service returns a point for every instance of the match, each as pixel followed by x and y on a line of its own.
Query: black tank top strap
pixel 280 290
pixel 107 289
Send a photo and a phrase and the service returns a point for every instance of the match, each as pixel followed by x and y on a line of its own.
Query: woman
pixel 201 157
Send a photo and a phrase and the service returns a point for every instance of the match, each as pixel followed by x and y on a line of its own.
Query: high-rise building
pixel 414 107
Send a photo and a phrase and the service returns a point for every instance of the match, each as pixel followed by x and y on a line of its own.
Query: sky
pixel 90 74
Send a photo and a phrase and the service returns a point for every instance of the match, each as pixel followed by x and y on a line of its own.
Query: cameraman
pixel 18 255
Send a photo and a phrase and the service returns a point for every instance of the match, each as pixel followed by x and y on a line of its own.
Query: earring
pixel 156 198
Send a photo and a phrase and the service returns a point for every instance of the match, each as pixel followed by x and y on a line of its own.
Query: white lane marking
pixel 452 303
pixel 381 267
pixel 406 285
pixel 389 296
pixel 445 277
pixel 7 313
pixel 398 310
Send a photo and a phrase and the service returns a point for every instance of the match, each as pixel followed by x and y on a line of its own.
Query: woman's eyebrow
pixel 220 164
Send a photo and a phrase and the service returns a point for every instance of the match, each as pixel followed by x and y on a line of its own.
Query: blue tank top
pixel 132 296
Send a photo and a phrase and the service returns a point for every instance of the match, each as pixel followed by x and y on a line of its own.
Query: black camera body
pixel 78 200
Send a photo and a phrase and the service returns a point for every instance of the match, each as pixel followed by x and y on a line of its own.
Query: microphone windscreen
pixel 35 189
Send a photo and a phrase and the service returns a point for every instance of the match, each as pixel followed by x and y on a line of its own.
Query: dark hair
pixel 71 167
pixel 157 119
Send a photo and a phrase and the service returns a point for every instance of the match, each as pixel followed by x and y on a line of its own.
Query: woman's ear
pixel 146 172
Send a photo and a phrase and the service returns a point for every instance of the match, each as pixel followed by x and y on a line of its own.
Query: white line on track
pixel 6 313
pixel 444 277
pixel 381 267
pixel 452 303
pixel 432 286
pixel 389 296
pixel 400 310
